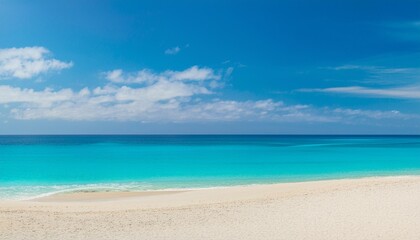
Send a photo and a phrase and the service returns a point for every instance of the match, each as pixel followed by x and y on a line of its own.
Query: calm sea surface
pixel 33 166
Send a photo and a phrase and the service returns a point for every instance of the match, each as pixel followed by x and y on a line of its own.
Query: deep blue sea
pixel 32 166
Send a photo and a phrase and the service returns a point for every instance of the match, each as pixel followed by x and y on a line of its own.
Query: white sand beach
pixel 368 208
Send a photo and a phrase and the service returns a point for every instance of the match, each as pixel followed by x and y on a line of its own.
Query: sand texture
pixel 369 208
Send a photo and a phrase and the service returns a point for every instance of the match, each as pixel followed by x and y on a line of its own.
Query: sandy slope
pixel 371 208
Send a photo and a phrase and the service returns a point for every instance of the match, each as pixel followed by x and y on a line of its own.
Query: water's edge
pixel 32 166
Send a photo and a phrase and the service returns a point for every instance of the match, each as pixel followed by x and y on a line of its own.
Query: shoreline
pixel 363 208
pixel 107 198
pixel 112 191
pixel 81 195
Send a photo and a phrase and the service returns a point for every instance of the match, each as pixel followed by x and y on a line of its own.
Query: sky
pixel 209 67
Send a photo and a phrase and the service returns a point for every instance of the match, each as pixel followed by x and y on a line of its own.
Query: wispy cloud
pixel 173 51
pixel 371 114
pixel 381 81
pixel 377 69
pixel 407 31
pixel 147 76
pixel 28 62
pixel 412 92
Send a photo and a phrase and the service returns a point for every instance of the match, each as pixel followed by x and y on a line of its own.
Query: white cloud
pixel 371 114
pixel 173 51
pixel 28 62
pixel 147 76
pixel 166 102
pixel 383 75
pixel 391 82
pixel 161 96
pixel 409 92
pixel 159 102
pixel 46 97
pixel 192 73
pixel 379 70
pixel 162 101
pixel 142 76
pixel 168 96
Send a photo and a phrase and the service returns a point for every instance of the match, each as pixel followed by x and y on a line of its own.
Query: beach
pixel 365 208
pixel 209 120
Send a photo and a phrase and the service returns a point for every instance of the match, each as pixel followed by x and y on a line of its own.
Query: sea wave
pixel 31 192
pixel 28 192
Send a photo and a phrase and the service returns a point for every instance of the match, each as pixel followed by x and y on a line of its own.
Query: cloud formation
pixel 147 76
pixel 28 62
pixel 176 102
pixel 379 70
pixel 158 102
pixel 370 114
pixel 375 69
pixel 159 96
pixel 384 82
pixel 169 96
pixel 409 92
pixel 172 51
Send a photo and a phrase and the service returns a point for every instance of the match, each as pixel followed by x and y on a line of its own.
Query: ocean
pixel 33 166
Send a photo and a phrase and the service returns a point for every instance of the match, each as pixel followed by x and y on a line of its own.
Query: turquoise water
pixel 32 166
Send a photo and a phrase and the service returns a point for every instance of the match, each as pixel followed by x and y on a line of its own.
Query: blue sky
pixel 303 67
